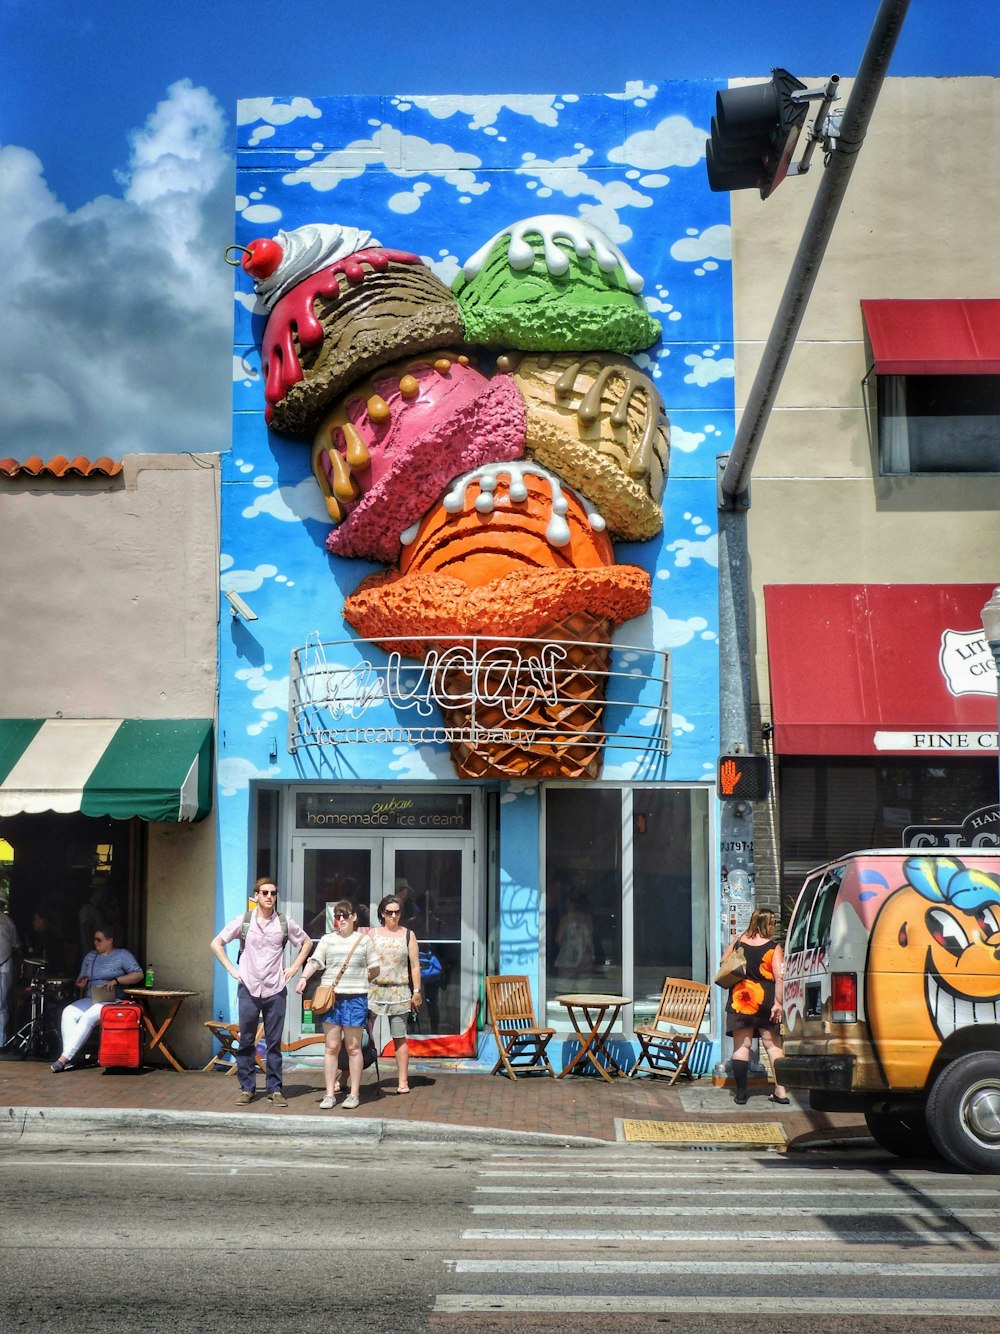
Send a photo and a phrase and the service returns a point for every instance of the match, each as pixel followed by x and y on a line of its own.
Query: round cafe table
pixel 599 1014
pixel 173 1000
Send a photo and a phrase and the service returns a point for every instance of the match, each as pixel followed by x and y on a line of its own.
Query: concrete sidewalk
pixel 443 1104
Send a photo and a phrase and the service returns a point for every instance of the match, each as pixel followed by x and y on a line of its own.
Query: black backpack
pixel 247 916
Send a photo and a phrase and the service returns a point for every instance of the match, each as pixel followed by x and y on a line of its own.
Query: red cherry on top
pixel 262 258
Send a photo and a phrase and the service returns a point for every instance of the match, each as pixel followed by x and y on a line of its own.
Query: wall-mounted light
pixel 239 607
pixel 272 754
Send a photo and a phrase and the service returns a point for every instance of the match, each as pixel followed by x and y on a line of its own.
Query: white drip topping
pixel 586 239
pixel 307 250
pixel 486 477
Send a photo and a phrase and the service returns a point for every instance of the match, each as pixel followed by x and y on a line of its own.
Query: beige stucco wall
pixel 110 609
pixel 918 220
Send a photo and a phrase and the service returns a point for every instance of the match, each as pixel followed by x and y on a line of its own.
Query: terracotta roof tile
pixel 59 466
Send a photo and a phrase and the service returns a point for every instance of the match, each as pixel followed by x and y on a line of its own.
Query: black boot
pixel 740 1076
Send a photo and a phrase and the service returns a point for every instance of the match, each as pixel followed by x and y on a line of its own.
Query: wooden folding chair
pixel 520 1042
pixel 663 1049
pixel 228 1038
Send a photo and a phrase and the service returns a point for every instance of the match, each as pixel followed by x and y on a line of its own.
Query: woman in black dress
pixel 754 1008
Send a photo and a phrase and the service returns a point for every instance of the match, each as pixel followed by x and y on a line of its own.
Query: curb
pixel 138 1124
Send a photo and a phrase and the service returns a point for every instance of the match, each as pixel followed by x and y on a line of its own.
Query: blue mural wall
pixel 439 176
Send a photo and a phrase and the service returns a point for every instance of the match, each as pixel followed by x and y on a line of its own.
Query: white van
pixel 892 999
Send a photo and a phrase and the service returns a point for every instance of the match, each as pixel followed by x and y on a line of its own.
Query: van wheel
pixel 903 1133
pixel 963 1112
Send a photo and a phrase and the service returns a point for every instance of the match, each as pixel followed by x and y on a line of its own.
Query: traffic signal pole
pixel 734 468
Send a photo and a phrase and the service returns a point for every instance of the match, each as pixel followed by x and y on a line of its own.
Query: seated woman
pixel 575 937
pixel 104 973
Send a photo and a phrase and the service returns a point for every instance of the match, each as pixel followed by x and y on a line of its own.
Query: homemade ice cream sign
pixel 486 445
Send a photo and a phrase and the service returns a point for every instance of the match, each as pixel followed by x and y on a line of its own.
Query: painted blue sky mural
pixel 440 176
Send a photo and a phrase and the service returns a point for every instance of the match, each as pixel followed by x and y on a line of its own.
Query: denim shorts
pixel 348 1012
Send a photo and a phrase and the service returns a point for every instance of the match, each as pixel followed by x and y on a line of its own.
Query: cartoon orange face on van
pixel 933 964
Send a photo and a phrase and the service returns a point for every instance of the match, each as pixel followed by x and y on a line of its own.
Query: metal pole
pixel 991 627
pixel 812 247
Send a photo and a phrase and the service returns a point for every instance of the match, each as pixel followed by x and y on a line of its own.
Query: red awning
pixel 866 669
pixel 934 337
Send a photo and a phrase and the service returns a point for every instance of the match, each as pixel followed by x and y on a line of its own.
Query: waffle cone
pixel 554 738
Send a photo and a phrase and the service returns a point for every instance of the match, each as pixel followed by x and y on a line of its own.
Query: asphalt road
pixel 259 1235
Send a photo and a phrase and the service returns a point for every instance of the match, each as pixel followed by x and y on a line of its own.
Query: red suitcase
pixel 121 1036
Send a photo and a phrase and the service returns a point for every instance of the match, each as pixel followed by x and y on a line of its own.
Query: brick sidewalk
pixel 578 1106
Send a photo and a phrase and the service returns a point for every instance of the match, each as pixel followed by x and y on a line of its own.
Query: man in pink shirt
pixel 263 986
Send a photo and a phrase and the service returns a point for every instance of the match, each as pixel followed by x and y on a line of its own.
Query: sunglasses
pixel 391 912
pixel 267 893
pixel 341 916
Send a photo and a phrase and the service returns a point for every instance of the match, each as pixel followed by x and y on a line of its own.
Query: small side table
pixel 158 1035
pixel 594 1009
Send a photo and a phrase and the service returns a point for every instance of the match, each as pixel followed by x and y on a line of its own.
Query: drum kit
pixel 40 1036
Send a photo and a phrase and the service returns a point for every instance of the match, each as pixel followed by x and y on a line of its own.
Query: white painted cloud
pixel 563 176
pixel 291 504
pixel 686 441
pixel 246 581
pixel 262 214
pixel 635 91
pixel 678 633
pixel 421 762
pixel 606 218
pixel 392 149
pixel 235 774
pixel 685 551
pixel 484 110
pixel 713 243
pixel 268 692
pixel 242 370
pixel 675 142
pixel 274 111
pixel 706 370
pixel 126 295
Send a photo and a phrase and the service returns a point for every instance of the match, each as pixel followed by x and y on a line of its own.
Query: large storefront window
pixel 830 806
pixel 626 891
pixel 67 875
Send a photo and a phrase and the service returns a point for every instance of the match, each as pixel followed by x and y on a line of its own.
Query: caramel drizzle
pixel 589 411
pixel 334 471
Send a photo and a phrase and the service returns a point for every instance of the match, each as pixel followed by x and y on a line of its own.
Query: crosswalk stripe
pixel 927 1237
pixel 889 1192
pixel 882 1269
pixel 600 1303
pixel 898 1207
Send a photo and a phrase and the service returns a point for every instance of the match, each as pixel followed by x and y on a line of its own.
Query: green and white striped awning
pixel 156 768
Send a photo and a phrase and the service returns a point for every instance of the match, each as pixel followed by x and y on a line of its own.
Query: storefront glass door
pixel 434 878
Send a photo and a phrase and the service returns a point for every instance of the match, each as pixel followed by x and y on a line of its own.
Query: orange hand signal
pixel 729 776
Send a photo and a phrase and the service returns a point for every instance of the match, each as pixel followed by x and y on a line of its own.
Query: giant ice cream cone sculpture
pixel 519 564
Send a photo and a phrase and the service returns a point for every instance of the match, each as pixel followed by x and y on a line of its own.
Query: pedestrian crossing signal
pixel 744 777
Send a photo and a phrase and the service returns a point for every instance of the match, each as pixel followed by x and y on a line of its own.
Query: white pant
pixel 78 1022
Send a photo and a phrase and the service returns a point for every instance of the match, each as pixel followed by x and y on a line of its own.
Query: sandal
pixel 57 1067
pixel 773 1097
pixel 403 1088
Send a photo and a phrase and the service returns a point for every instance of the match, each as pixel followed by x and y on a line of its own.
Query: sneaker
pixel 277 1099
pixel 244 1098
pixel 328 1102
pixel 351 1101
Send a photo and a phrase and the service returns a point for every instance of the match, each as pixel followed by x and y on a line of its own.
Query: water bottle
pixel 149 976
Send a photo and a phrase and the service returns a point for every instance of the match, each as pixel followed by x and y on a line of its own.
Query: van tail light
pixel 844 988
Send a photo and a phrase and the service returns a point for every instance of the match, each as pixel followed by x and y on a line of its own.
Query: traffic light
pixel 754 133
pixel 744 777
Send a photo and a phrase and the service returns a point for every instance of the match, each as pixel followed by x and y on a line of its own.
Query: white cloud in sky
pixel 635 91
pixel 675 142
pixel 421 762
pixel 246 581
pixel 291 504
pixel 713 243
pixel 686 441
pixel 122 304
pixel 483 111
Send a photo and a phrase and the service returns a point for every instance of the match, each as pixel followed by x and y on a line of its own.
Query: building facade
pixel 545 800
